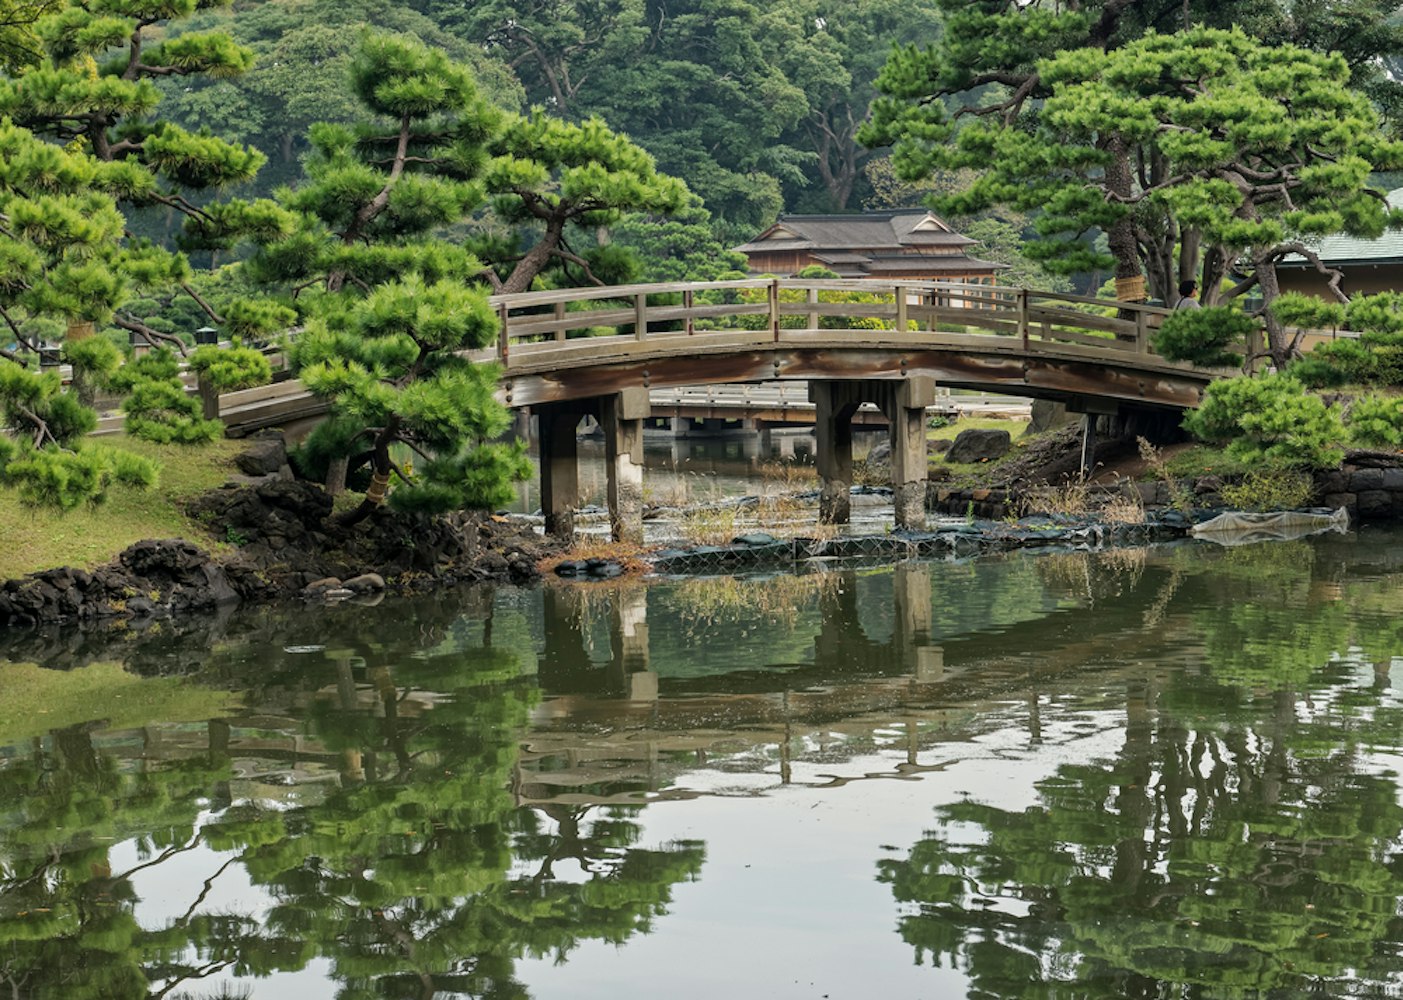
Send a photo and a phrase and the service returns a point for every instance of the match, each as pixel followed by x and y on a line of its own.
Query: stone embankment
pixel 271 537
pixel 1368 484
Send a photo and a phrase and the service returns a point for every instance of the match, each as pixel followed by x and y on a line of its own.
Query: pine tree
pixel 390 303
pixel 93 91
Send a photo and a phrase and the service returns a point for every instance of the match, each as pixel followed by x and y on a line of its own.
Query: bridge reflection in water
pixel 415 799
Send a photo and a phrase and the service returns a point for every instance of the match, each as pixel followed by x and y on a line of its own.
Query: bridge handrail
pixel 902 306
pixel 524 300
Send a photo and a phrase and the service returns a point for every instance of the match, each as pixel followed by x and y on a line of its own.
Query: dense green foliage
pixel 1269 419
pixel 157 406
pixel 44 454
pixel 93 90
pixel 1377 421
pixel 1203 336
pixel 394 305
pixel 229 368
pixel 754 104
pixel 1202 142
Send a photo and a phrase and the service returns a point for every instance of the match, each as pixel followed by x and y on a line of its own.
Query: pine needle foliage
pixel 157 406
pixel 42 448
pixel 1204 336
pixel 1270 420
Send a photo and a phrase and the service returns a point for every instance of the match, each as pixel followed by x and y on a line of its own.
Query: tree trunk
pixel 1124 245
pixel 536 259
pixel 380 470
pixel 1281 350
pixel 1215 267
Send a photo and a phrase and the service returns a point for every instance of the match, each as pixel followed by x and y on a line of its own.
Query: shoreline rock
pixel 286 546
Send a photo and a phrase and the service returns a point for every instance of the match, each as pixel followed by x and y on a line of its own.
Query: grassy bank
pixel 37 538
pixel 950 431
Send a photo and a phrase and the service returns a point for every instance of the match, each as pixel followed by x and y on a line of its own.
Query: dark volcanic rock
pixel 979 446
pixel 264 456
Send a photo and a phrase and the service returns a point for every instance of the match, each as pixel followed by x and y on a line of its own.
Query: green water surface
pixel 1151 773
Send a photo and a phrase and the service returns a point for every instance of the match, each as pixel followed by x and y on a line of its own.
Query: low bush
pixel 1269 420
pixel 1269 489
pixel 1376 421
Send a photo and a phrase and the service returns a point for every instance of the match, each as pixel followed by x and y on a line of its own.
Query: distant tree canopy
pixel 1202 144
pixel 754 105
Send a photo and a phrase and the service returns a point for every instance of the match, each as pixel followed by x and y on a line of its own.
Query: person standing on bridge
pixel 1188 291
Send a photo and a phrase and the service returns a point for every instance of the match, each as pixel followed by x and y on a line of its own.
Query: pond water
pixel 686 477
pixel 1151 773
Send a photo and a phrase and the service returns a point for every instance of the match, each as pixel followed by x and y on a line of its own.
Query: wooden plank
pixel 1068 337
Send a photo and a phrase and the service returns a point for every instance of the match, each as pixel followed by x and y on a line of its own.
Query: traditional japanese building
pixel 907 243
pixel 1368 266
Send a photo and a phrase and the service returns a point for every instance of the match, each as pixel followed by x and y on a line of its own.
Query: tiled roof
pixel 872 242
pixel 868 231
pixel 1342 249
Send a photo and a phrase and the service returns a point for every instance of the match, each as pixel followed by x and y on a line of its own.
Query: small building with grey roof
pixel 913 244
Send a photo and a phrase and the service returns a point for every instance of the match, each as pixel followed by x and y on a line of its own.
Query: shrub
pixel 1202 336
pixel 1269 489
pixel 1381 313
pixel 157 406
pixel 1269 420
pixel 1297 309
pixel 236 367
pixel 1336 363
pixel 1376 421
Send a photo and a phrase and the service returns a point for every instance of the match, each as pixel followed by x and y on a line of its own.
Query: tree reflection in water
pixel 1238 844
pixel 403 861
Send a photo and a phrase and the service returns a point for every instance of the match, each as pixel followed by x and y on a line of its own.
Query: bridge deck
pixel 582 342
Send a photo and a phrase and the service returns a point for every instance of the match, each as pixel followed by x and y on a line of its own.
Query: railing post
pixel 774 308
pixel 1142 332
pixel 1023 316
pixel 811 320
pixel 560 315
pixel 1255 342
pixel 900 309
pixel 688 301
pixel 503 337
pixel 640 316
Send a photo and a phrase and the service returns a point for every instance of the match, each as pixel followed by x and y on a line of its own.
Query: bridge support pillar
pixel 560 467
pixel 622 416
pixel 834 403
pixel 904 404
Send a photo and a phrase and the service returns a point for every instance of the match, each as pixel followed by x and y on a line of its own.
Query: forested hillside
pixel 754 104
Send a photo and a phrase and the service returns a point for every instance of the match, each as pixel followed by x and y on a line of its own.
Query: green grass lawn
pixel 36 538
pixel 950 431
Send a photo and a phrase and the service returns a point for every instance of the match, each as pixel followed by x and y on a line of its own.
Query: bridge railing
pixel 798 309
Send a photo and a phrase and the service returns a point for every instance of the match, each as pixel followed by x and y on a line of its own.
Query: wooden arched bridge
pixel 598 351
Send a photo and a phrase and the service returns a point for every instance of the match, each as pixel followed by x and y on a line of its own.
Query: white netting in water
pixel 1240 528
